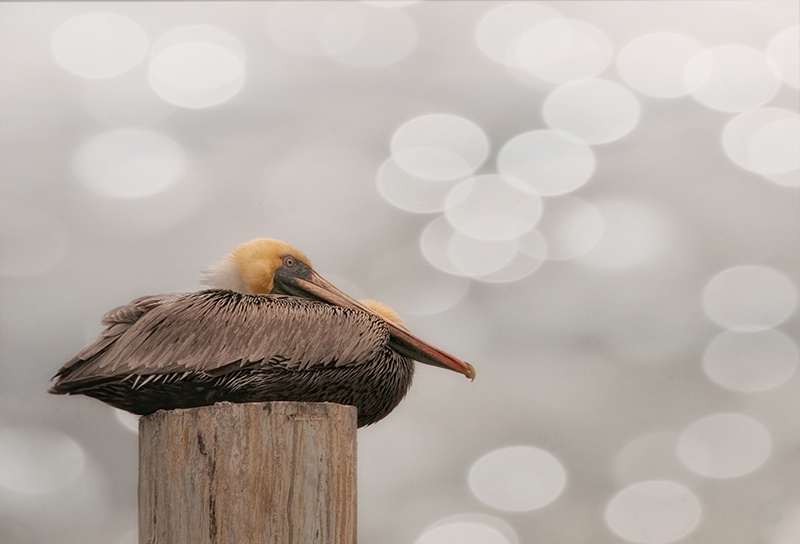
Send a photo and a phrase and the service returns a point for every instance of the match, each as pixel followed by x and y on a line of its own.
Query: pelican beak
pixel 402 340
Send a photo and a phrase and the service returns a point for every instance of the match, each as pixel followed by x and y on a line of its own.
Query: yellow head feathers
pixel 250 267
pixel 257 261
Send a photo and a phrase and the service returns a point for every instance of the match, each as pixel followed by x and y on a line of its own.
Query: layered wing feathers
pixel 215 332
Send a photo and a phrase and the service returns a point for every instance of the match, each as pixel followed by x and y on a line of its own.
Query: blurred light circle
pixel 724 445
pixel 473 257
pixel 130 162
pixel 775 148
pixel 295 26
pixel 492 207
pixel 765 141
pixel 653 512
pixel 543 43
pixel 492 261
pixel 653 64
pixel 31 240
pixel 468 529
pixel 595 111
pixel 749 298
pixel 99 45
pixel 128 420
pixel 407 192
pixel 784 52
pixel 635 234
pixel 500 29
pixel 37 460
pixel 365 36
pixel 432 163
pixel 751 361
pixel 572 227
pixel 577 50
pixel 197 67
pixel 434 243
pixel 405 279
pixel 517 479
pixel 439 147
pixel 531 254
pixel 731 78
pixel 548 161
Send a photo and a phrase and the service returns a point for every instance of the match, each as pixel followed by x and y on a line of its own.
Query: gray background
pixel 601 365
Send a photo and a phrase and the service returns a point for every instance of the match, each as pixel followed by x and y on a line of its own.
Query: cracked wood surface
pixel 271 473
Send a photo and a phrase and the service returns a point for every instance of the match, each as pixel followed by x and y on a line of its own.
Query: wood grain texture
pixel 276 472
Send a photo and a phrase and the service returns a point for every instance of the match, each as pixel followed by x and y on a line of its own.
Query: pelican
pixel 269 328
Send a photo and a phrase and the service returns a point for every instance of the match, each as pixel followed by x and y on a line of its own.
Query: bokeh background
pixel 595 203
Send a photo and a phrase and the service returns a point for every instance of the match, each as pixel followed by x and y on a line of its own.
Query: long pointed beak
pixel 402 340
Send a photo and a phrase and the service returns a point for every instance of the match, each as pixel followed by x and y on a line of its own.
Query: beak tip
pixel 470 373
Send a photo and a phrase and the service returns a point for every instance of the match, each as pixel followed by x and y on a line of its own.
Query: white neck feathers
pixel 224 274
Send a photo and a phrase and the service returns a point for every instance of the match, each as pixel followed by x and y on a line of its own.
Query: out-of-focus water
pixel 595 203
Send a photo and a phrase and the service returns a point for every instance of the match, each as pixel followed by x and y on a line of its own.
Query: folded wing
pixel 215 332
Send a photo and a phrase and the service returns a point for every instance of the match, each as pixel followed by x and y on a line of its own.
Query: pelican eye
pixel 292 267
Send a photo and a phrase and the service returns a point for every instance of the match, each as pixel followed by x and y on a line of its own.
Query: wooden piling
pixel 271 473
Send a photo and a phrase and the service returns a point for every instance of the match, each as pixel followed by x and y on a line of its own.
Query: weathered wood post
pixel 276 472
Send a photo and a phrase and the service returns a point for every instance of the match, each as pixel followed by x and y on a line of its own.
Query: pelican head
pixel 266 266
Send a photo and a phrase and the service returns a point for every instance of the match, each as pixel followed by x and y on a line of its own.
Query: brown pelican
pixel 269 329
